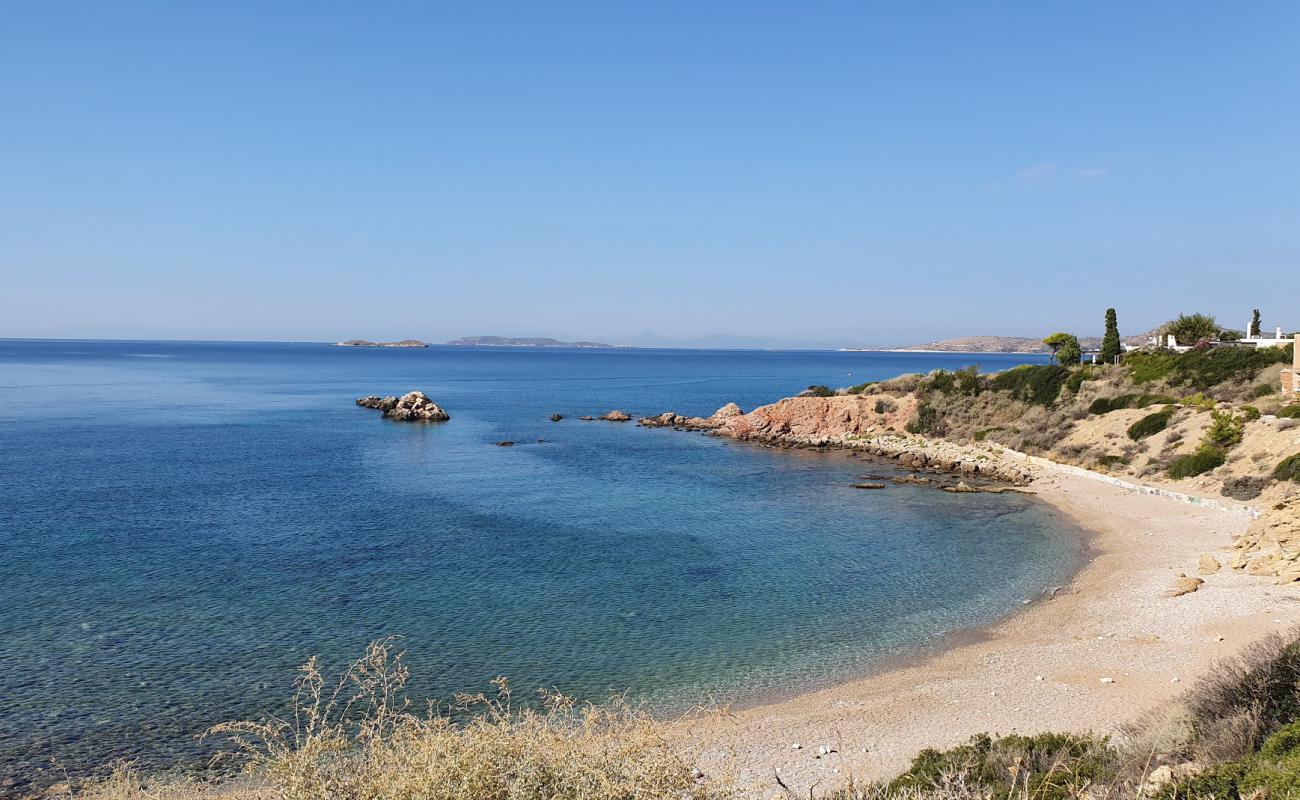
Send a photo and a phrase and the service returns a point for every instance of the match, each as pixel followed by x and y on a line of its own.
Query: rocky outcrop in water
pixel 616 416
pixel 410 407
pixel 671 419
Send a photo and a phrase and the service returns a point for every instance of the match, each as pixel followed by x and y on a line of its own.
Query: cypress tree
pixel 1253 333
pixel 1110 347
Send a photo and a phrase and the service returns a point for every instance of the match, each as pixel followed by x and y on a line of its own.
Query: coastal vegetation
pixel 1150 424
pixel 1065 348
pixel 1219 410
pixel 1110 341
pixel 1191 328
pixel 1234 735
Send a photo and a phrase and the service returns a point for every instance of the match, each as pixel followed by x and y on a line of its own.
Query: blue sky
pixel 847 173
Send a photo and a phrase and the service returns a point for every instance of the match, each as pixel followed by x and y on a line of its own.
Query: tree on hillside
pixel 1065 348
pixel 1189 329
pixel 1110 346
pixel 1253 333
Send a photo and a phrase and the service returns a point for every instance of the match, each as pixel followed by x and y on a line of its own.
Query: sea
pixel 183 523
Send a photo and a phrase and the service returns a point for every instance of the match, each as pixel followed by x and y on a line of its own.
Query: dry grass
pixel 358 739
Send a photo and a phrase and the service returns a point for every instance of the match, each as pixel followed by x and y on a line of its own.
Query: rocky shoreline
pixel 850 423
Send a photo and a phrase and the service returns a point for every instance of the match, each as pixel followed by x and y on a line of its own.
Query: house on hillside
pixel 1276 340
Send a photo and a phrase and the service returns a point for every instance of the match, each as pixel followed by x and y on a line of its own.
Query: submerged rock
pixel 410 407
pixel 868 486
pixel 556 417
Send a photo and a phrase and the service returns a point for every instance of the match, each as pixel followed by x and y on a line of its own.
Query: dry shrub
pixel 1229 711
pixel 359 740
pixel 1242 700
pixel 125 782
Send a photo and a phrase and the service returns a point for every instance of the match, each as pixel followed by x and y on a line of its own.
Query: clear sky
pixel 849 173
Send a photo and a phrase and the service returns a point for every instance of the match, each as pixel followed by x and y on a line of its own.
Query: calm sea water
pixel 184 523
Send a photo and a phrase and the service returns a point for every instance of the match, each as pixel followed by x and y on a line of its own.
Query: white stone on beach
pixel 796 746
pixel 1107 680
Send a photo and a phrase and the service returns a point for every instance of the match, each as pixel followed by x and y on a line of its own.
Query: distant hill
pixel 1011 344
pixel 368 343
pixel 523 341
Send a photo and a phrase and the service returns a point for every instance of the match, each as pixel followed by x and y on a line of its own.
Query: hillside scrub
pixel 1105 405
pixel 1151 424
pixel 1203 369
pixel 1038 385
pixel 1206 458
pixel 1288 469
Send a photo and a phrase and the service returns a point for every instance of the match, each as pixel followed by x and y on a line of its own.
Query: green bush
pixel 1111 460
pixel 1203 369
pixel 1078 376
pixel 1056 766
pixel 1288 469
pixel 1264 390
pixel 1146 366
pixel 1105 405
pixel 1032 384
pixel 1150 424
pixel 818 390
pixel 1198 401
pixel 969 383
pixel 1250 413
pixel 1226 429
pixel 1206 458
pixel 1216 783
pixel 1289 412
pixel 926 420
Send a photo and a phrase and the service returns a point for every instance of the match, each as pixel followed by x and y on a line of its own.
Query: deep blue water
pixel 184 523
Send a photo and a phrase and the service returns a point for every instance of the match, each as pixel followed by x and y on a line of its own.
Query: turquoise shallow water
pixel 184 523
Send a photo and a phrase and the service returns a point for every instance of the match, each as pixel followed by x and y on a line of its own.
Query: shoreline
pixel 1040 669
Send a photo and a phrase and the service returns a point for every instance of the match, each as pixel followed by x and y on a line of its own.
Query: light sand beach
pixel 1107 648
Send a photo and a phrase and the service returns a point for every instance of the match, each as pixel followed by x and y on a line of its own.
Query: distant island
pixel 998 344
pixel 368 343
pixel 524 341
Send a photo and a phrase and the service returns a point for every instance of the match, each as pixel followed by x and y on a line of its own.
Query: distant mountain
pixel 1009 344
pixel 524 341
pixel 368 343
